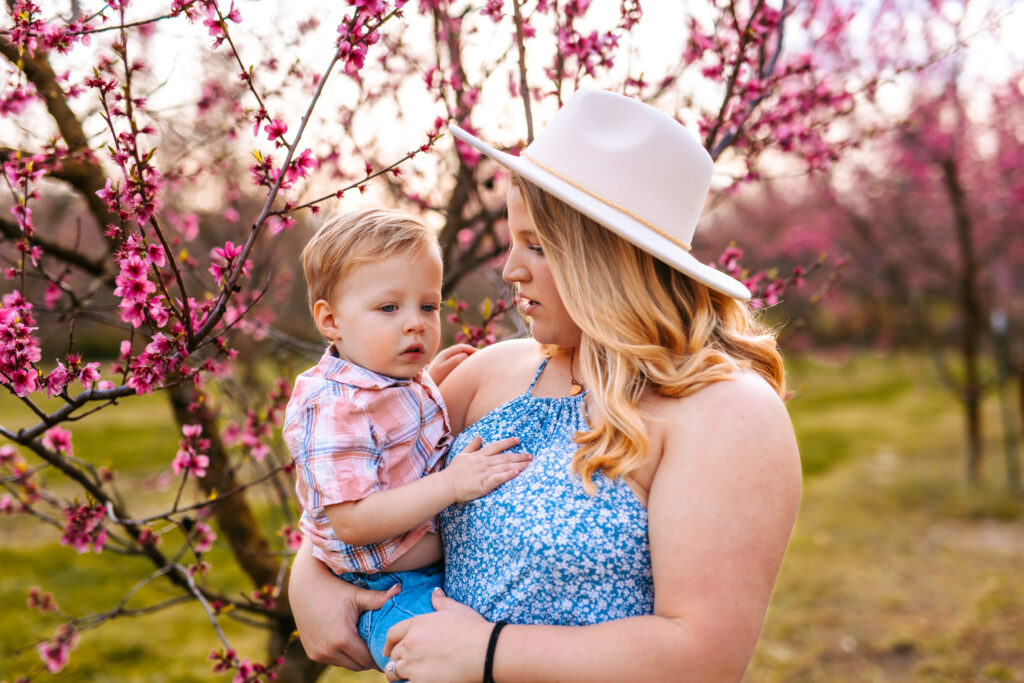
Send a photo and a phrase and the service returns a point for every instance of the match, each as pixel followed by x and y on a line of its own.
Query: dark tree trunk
pixel 973 320
pixel 249 545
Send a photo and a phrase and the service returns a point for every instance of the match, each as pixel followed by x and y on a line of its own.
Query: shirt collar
pixel 346 372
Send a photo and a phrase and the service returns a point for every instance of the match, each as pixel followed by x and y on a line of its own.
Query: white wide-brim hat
pixel 628 166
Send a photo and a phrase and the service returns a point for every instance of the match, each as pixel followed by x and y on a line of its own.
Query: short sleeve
pixel 337 458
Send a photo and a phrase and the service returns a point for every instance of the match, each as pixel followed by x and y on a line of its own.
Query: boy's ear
pixel 325 320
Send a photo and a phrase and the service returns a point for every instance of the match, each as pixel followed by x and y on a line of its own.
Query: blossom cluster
pixel 21 477
pixel 137 198
pixel 766 287
pixel 21 172
pixel 191 457
pixel 246 671
pixel 61 376
pixel 31 32
pixel 740 52
pixel 19 348
pixel 359 31
pixel 83 528
pixel 41 601
pixel 56 651
pixel 590 51
pixel 478 335
pixel 134 286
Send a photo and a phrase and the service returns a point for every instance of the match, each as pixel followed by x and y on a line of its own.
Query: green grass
pixel 896 570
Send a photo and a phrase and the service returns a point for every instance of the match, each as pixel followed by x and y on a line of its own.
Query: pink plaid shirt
pixel 352 432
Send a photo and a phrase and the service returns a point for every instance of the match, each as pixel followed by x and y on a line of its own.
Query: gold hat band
pixel 607 202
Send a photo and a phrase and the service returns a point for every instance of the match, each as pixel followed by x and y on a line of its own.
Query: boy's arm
pixel 391 512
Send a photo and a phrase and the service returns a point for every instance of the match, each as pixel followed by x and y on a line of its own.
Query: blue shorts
pixel 417 586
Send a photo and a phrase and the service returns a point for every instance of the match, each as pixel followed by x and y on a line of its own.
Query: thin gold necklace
pixel 577 387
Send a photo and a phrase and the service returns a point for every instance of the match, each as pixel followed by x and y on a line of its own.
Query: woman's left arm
pixel 721 508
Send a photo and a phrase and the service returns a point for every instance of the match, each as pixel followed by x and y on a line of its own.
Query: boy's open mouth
pixel 413 350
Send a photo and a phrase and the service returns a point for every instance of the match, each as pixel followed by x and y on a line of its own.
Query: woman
pixel 644 540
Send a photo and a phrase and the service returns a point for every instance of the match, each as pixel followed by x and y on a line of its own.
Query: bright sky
pixel 656 43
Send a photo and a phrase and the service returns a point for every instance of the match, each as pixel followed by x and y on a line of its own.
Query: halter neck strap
pixel 540 369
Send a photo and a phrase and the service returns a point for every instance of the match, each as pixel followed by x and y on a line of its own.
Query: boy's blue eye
pixel 389 308
pixel 429 308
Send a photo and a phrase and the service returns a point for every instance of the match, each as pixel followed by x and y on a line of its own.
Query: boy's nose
pixel 414 323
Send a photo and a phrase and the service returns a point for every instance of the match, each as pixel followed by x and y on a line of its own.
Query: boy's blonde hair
pixel 646 327
pixel 350 239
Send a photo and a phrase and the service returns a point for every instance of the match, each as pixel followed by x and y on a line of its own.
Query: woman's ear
pixel 326 321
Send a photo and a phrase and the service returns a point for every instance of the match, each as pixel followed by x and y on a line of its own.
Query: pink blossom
pixel 158 311
pixel 25 381
pixel 90 374
pixel 493 9
pixel 51 296
pixel 223 660
pixel 299 167
pixel 57 380
pixel 110 195
pixel 84 528
pixel 147 537
pixel 191 458
pixel 275 129
pixel 58 439
pixel 16 100
pixel 285 222
pixel 55 652
pixel 204 537
pixel 156 255
pixel 8 454
pixel 292 537
pixel 40 601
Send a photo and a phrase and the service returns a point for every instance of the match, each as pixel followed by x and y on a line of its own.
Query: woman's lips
pixel 529 306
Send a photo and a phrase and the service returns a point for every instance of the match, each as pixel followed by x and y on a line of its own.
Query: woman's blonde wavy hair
pixel 645 326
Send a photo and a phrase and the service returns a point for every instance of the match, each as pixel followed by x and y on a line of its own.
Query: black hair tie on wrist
pixel 491 644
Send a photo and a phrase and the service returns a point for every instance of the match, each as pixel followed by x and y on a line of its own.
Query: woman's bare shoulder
pixel 741 395
pixel 735 419
pixel 488 378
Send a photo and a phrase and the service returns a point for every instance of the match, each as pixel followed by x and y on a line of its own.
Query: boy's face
pixel 385 315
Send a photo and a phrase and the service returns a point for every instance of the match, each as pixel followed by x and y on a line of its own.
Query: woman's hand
pixel 446 646
pixel 447 360
pixel 326 611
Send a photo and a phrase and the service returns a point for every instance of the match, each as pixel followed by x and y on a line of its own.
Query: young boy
pixel 367 426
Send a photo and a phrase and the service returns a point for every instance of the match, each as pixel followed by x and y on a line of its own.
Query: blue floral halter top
pixel 538 549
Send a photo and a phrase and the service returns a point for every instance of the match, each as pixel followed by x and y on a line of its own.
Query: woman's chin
pixel 544 334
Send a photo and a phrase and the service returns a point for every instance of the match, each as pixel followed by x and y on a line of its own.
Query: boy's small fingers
pixel 499 446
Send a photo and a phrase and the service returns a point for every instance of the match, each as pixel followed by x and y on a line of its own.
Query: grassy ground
pixel 896 571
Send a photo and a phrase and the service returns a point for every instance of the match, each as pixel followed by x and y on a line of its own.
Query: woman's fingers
pixel 367 599
pixel 440 601
pixel 395 635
